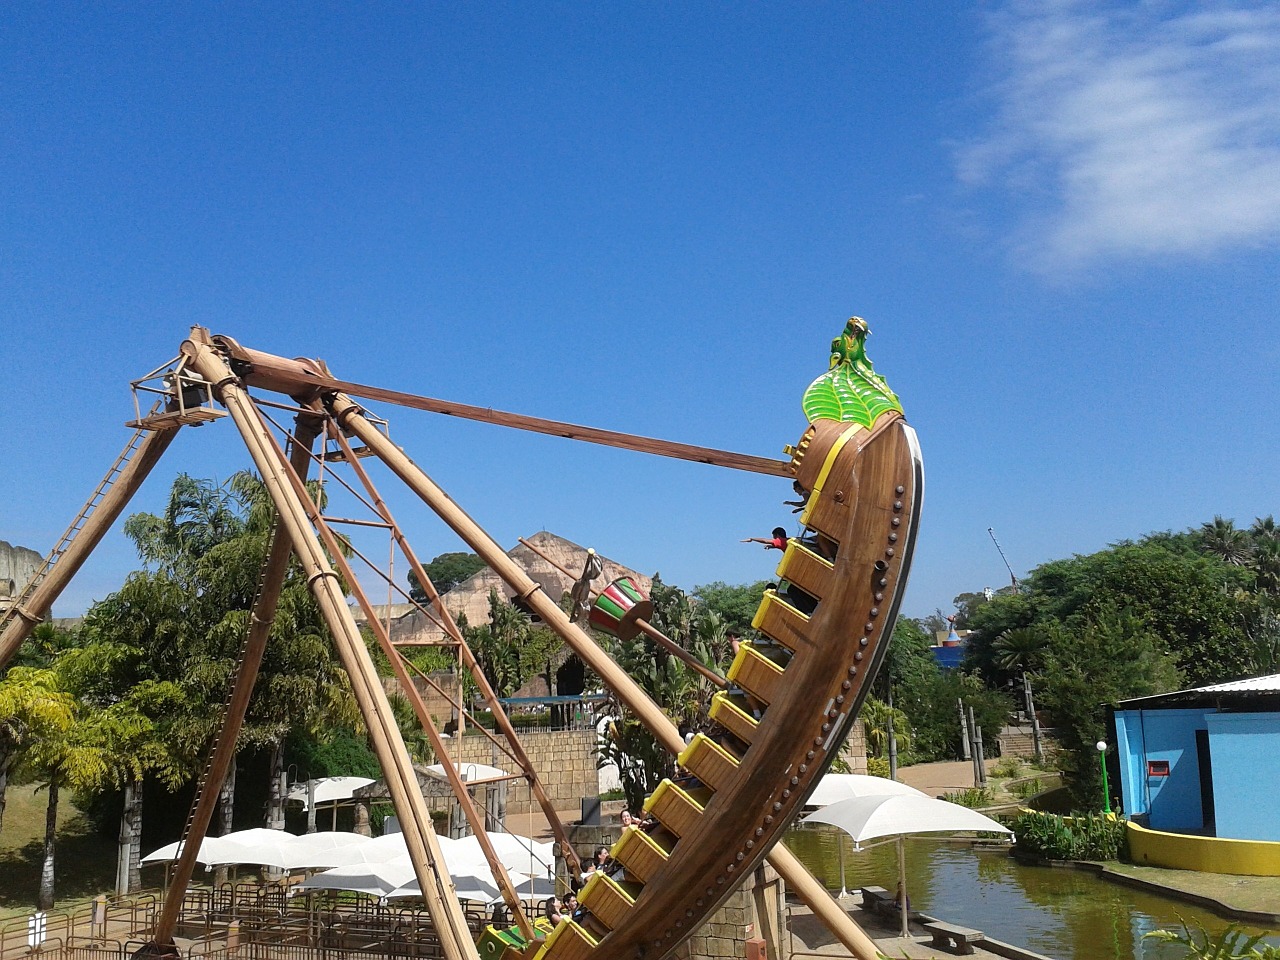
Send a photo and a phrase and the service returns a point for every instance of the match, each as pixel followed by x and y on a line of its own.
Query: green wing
pixel 850 396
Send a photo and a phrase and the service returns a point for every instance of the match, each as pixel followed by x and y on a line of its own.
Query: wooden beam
pixel 308 378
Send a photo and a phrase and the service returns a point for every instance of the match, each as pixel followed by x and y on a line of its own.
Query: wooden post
pixel 978 753
pixel 964 731
pixel 311 806
pixel 274 570
pixel 893 742
pixel 1035 721
pixel 415 821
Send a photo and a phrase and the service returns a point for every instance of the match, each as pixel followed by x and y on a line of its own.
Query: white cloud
pixel 1148 129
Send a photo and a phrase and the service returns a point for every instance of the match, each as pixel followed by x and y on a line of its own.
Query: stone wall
pixel 756 909
pixel 564 759
pixel 855 749
pixel 17 565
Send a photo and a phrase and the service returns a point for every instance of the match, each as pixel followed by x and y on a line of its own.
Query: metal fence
pixel 235 921
pixel 553 713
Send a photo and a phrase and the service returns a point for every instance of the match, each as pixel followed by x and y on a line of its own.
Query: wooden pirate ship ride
pixel 785 707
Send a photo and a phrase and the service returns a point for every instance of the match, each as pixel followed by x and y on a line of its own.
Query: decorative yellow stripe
pixel 816 492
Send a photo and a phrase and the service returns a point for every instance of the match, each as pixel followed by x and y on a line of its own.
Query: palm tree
pixel 32 706
pixel 1266 565
pixel 1019 650
pixel 1222 539
pixel 91 752
pixel 183 620
pixel 1264 528
pixel 875 721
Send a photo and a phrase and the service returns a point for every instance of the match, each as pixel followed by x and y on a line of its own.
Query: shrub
pixel 877 767
pixel 1026 788
pixel 974 797
pixel 1231 944
pixel 1083 837
pixel 1007 767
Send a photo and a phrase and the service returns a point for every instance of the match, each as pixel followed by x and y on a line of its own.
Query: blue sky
pixel 1060 219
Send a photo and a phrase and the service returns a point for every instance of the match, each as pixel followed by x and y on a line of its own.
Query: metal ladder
pixel 74 529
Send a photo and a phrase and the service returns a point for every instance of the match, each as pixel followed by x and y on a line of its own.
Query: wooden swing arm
pixel 58 570
pixel 649 630
pixel 468 658
pixel 350 418
pixel 438 891
pixel 474 819
pixel 275 568
pixel 307 379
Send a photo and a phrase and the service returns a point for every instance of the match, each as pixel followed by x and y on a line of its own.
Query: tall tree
pixel 1110 654
pixel 1222 539
pixel 184 617
pixel 33 707
pixel 1020 650
pixel 734 604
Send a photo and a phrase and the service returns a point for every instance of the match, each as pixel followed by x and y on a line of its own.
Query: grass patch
pixel 84 862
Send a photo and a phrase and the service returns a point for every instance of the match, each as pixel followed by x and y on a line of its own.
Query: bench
pixel 876 899
pixel 952 938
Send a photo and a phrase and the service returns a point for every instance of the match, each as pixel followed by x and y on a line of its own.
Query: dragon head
pixel 850 346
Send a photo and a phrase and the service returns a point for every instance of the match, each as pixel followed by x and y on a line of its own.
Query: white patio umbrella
pixel 396 878
pixel 469 886
pixel 329 789
pixel 841 786
pixel 521 854
pixel 270 848
pixel 534 889
pixel 867 818
pixel 211 851
pixel 320 850
pixel 469 772
pixel 834 787
pixel 374 879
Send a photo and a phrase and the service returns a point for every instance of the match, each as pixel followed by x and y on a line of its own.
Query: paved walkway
pixel 810 936
pixel 935 779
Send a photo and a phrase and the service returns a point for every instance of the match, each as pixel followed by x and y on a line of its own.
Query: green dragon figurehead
pixel 851 345
pixel 850 391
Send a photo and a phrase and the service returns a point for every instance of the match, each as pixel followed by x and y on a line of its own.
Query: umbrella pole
pixel 902 885
pixel 840 846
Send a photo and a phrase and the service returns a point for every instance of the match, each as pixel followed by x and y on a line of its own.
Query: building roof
pixel 1231 695
pixel 1269 684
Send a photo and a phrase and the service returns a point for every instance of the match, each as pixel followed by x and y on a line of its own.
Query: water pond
pixel 1064 914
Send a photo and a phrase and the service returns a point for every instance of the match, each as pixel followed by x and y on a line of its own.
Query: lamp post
pixel 1106 791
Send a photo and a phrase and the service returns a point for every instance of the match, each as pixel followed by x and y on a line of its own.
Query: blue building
pixel 949 651
pixel 1204 761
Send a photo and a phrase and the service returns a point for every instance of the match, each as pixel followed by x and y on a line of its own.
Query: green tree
pixel 33 707
pixel 681 691
pixel 875 717
pixel 735 604
pixel 184 617
pixel 1186 600
pixel 1107 655
pixel 1222 539
pixel 931 704
pixel 446 572
pixel 910 660
pixel 1019 650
